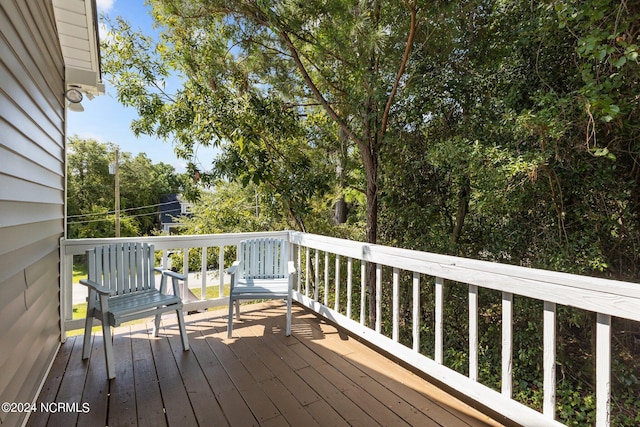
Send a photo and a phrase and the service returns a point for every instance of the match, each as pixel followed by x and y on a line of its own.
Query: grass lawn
pixel 211 291
pixel 79 272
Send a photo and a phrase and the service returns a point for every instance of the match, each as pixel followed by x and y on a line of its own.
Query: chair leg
pixel 88 325
pixel 156 324
pixel 288 330
pixel 238 309
pixel 230 320
pixel 108 347
pixel 183 330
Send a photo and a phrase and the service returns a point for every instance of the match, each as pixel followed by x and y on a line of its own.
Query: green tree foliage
pixel 91 190
pixel 514 121
pixel 346 57
pixel 242 59
pixel 233 208
pixel 491 129
pixel 520 146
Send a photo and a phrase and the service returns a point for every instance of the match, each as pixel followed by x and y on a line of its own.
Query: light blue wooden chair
pixel 122 287
pixel 263 271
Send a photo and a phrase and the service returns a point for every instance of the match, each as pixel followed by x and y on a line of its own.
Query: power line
pixel 121 210
pixel 108 219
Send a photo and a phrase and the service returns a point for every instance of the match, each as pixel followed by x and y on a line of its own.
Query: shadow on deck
pixel 318 376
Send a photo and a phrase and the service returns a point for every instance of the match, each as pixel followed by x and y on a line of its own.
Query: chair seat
pixel 248 288
pixel 127 304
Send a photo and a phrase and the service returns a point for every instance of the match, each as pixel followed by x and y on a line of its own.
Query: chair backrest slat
pixel 148 261
pixel 270 267
pixel 139 260
pixel 123 255
pixel 122 267
pixel 263 258
pixel 130 271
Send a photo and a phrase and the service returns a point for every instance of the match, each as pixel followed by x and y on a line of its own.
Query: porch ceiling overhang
pixel 77 25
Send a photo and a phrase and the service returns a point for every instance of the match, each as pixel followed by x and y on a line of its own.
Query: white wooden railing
pixel 317 274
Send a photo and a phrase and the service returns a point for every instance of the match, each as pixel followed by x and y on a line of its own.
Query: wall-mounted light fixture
pixel 74 96
pixel 77 107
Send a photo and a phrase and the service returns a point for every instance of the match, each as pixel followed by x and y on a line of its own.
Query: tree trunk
pixel 370 159
pixel 463 209
pixel 340 208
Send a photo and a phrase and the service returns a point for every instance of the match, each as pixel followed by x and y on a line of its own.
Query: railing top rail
pixel 79 246
pixel 605 296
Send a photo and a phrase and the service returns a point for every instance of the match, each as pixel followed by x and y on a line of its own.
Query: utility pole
pixel 117 184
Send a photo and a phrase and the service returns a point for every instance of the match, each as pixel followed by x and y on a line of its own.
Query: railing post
pixel 203 285
pixel 507 343
pixel 66 289
pixel 349 285
pixel 473 332
pixel 185 271
pixel 549 360
pixel 439 320
pixel 378 298
pixel 603 370
pixel 337 296
pixel 395 334
pixel 416 311
pixel 326 278
pixel 316 278
pixel 299 267
pixel 220 271
pixel 363 290
pixel 307 260
pixel 165 259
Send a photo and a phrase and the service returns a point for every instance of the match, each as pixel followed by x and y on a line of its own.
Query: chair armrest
pixel 173 274
pixel 98 288
pixel 292 267
pixel 174 282
pixel 233 268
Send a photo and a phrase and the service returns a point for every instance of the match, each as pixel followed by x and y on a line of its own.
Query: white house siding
pixel 32 176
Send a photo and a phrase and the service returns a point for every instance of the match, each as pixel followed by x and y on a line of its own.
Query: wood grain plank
pixel 415 390
pixel 325 414
pixel 174 396
pixel 236 410
pixel 257 400
pixel 412 390
pixel 96 387
pixel 323 384
pixel 318 376
pixel 203 401
pixel 279 367
pixel 149 404
pixel 287 404
pixel 71 387
pixel 122 396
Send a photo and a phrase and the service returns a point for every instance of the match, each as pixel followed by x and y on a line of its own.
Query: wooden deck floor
pixel 318 376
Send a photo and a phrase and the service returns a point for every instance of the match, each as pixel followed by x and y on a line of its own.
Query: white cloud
pixel 104 31
pixel 104 5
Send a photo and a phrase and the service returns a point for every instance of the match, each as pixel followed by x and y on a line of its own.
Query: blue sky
pixel 106 120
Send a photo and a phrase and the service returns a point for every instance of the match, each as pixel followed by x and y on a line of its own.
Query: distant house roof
pixel 172 207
